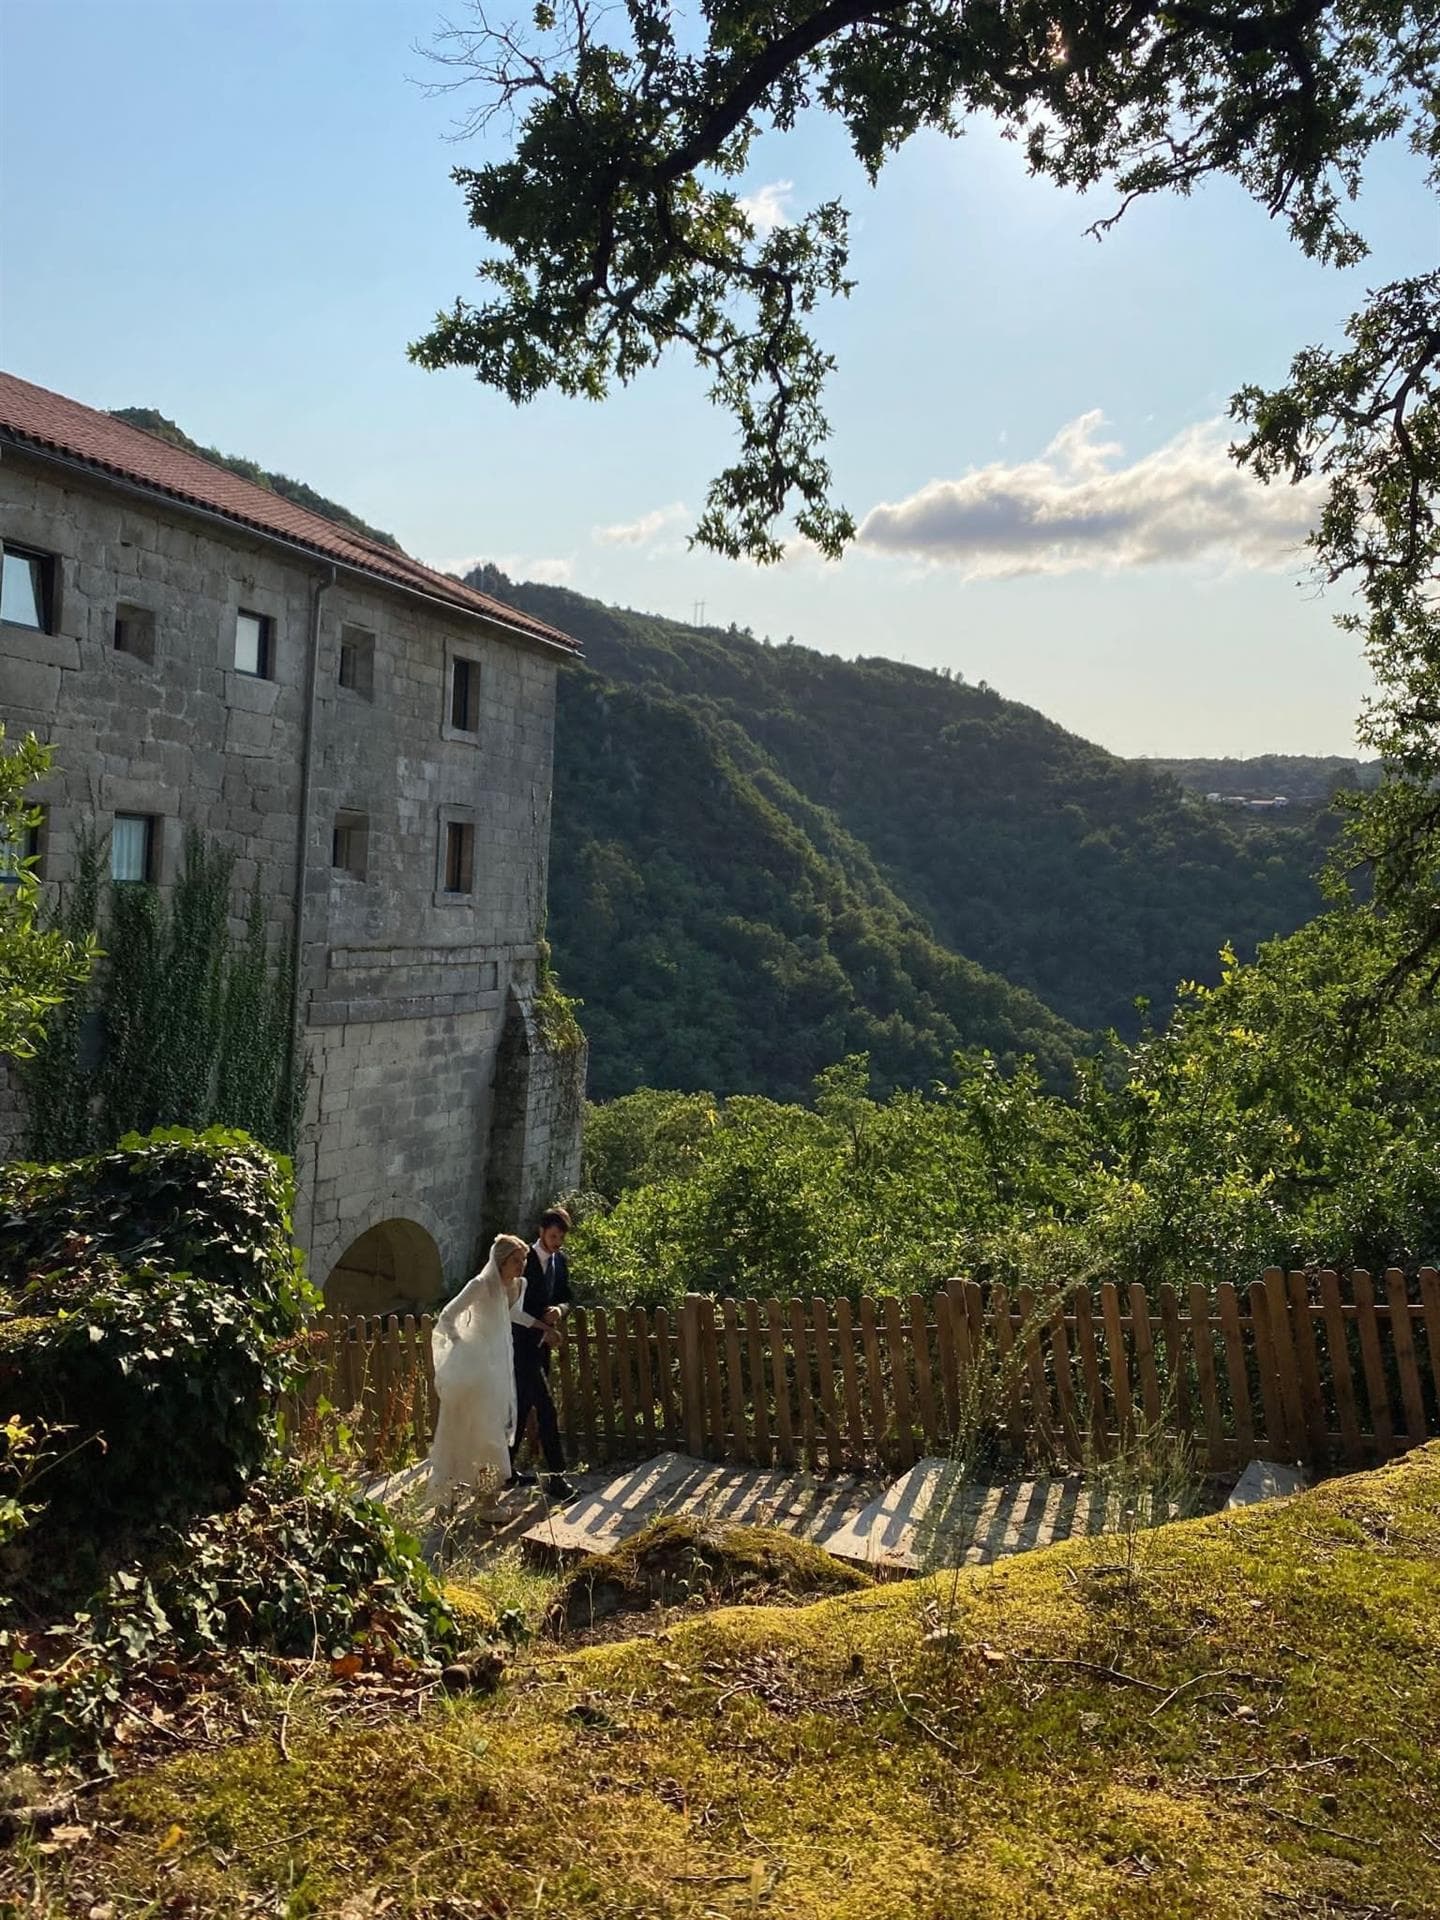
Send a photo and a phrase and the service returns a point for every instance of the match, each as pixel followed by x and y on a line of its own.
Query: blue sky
pixel 239 212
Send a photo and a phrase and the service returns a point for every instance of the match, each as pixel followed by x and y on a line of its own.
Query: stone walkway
pixel 929 1517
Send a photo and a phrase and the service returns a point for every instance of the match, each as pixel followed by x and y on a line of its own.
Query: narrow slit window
pixel 465 695
pixel 135 631
pixel 132 847
pixel 350 844
pixel 357 661
pixel 254 644
pixel 459 856
pixel 26 588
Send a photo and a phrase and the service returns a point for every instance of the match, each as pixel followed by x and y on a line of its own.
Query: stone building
pixel 373 742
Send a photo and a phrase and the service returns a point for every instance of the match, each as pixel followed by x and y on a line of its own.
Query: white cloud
pixel 1079 505
pixel 645 531
pixel 765 208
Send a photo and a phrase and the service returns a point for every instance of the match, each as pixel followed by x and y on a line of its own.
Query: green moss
pixel 675 1561
pixel 1278 1735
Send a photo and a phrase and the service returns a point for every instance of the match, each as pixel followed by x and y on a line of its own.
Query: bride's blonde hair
pixel 503 1246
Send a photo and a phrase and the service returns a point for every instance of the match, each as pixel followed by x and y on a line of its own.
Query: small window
pixel 132 847
pixel 357 661
pixel 27 583
pixel 465 695
pixel 254 644
pixel 350 844
pixel 135 631
pixel 459 856
pixel 15 851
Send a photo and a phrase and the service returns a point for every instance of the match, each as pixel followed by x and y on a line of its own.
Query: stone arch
pixel 393 1267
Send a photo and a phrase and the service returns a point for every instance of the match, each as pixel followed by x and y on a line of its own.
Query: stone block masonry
pixel 431 1101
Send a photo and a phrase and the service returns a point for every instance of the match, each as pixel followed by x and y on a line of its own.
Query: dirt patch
pixel 688 1563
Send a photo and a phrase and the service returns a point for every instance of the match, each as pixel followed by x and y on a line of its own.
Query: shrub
pixel 301 1568
pixel 143 1296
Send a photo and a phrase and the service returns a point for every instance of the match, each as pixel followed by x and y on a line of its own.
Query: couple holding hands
pixel 491 1347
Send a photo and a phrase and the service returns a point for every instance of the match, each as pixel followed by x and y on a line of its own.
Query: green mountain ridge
pixel 1080 878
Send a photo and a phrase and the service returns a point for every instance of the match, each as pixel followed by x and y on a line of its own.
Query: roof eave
pixel 561 645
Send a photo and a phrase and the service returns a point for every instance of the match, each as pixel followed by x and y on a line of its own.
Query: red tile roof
pixel 34 416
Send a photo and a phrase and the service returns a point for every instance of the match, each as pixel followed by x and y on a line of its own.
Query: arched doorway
pixel 394 1267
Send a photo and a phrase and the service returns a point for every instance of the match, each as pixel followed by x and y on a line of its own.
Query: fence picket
pixel 1337 1355
pixel 1119 1359
pixel 899 1385
pixel 780 1381
pixel 692 1376
pixel 714 1390
pixel 640 1342
pixel 924 1378
pixel 665 1389
pixel 1287 1370
pixel 1403 1340
pixel 739 1440
pixel 949 1376
pixel 1202 1344
pixel 585 1367
pixel 1065 1387
pixel 1312 1394
pixel 1143 1341
pixel 850 1379
pixel 804 1385
pixel 825 1368
pixel 1373 1365
pixel 1043 1426
pixel 1236 1376
pixel 1177 1373
pixel 874 1379
pixel 1099 1424
pixel 759 1398
pixel 1277 1434
pixel 1430 1300
pixel 620 1326
pixel 605 1381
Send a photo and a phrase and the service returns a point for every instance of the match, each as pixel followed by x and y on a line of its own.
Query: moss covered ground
pixel 1240 1717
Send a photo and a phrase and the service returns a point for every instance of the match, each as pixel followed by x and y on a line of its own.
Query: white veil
pixel 475 1378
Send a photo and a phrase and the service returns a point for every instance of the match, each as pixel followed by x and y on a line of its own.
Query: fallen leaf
pixel 173 1836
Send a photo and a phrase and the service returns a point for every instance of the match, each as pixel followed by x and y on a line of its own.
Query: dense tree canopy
pixel 1249 1131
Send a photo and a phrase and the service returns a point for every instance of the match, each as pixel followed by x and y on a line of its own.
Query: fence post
pixel 692 1375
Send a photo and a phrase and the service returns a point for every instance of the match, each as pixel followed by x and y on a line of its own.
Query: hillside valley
pixel 969 824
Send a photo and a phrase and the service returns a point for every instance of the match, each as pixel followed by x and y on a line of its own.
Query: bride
pixel 475 1376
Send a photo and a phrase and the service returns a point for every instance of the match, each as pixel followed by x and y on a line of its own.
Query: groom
pixel 534 1330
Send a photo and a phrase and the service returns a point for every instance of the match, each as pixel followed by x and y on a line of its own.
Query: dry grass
pixel 1255 1733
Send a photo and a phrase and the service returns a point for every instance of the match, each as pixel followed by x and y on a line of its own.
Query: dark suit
pixel 547 1284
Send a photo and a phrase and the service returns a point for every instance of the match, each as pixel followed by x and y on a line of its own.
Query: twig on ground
pixel 1090 1666
pixel 931 1733
pixel 1216 1673
pixel 1314 1826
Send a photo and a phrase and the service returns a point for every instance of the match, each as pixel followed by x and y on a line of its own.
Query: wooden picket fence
pixel 1329 1370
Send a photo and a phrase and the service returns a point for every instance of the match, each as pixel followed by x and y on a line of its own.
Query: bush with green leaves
pixel 302 1569
pixel 1288 1116
pixel 144 1294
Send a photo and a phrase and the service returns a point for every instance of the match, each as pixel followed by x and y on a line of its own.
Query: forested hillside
pixel 1304 779
pixel 1086 879
pixel 724 932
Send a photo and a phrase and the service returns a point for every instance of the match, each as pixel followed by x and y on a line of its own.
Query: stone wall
pixel 536 1127
pixel 404 984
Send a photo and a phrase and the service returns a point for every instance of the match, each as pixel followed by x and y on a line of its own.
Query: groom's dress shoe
pixel 518 1480
pixel 557 1487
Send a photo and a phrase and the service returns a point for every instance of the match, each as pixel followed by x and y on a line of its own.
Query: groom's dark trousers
pixel 547 1284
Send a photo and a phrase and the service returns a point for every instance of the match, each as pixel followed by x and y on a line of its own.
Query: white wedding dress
pixel 475 1378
